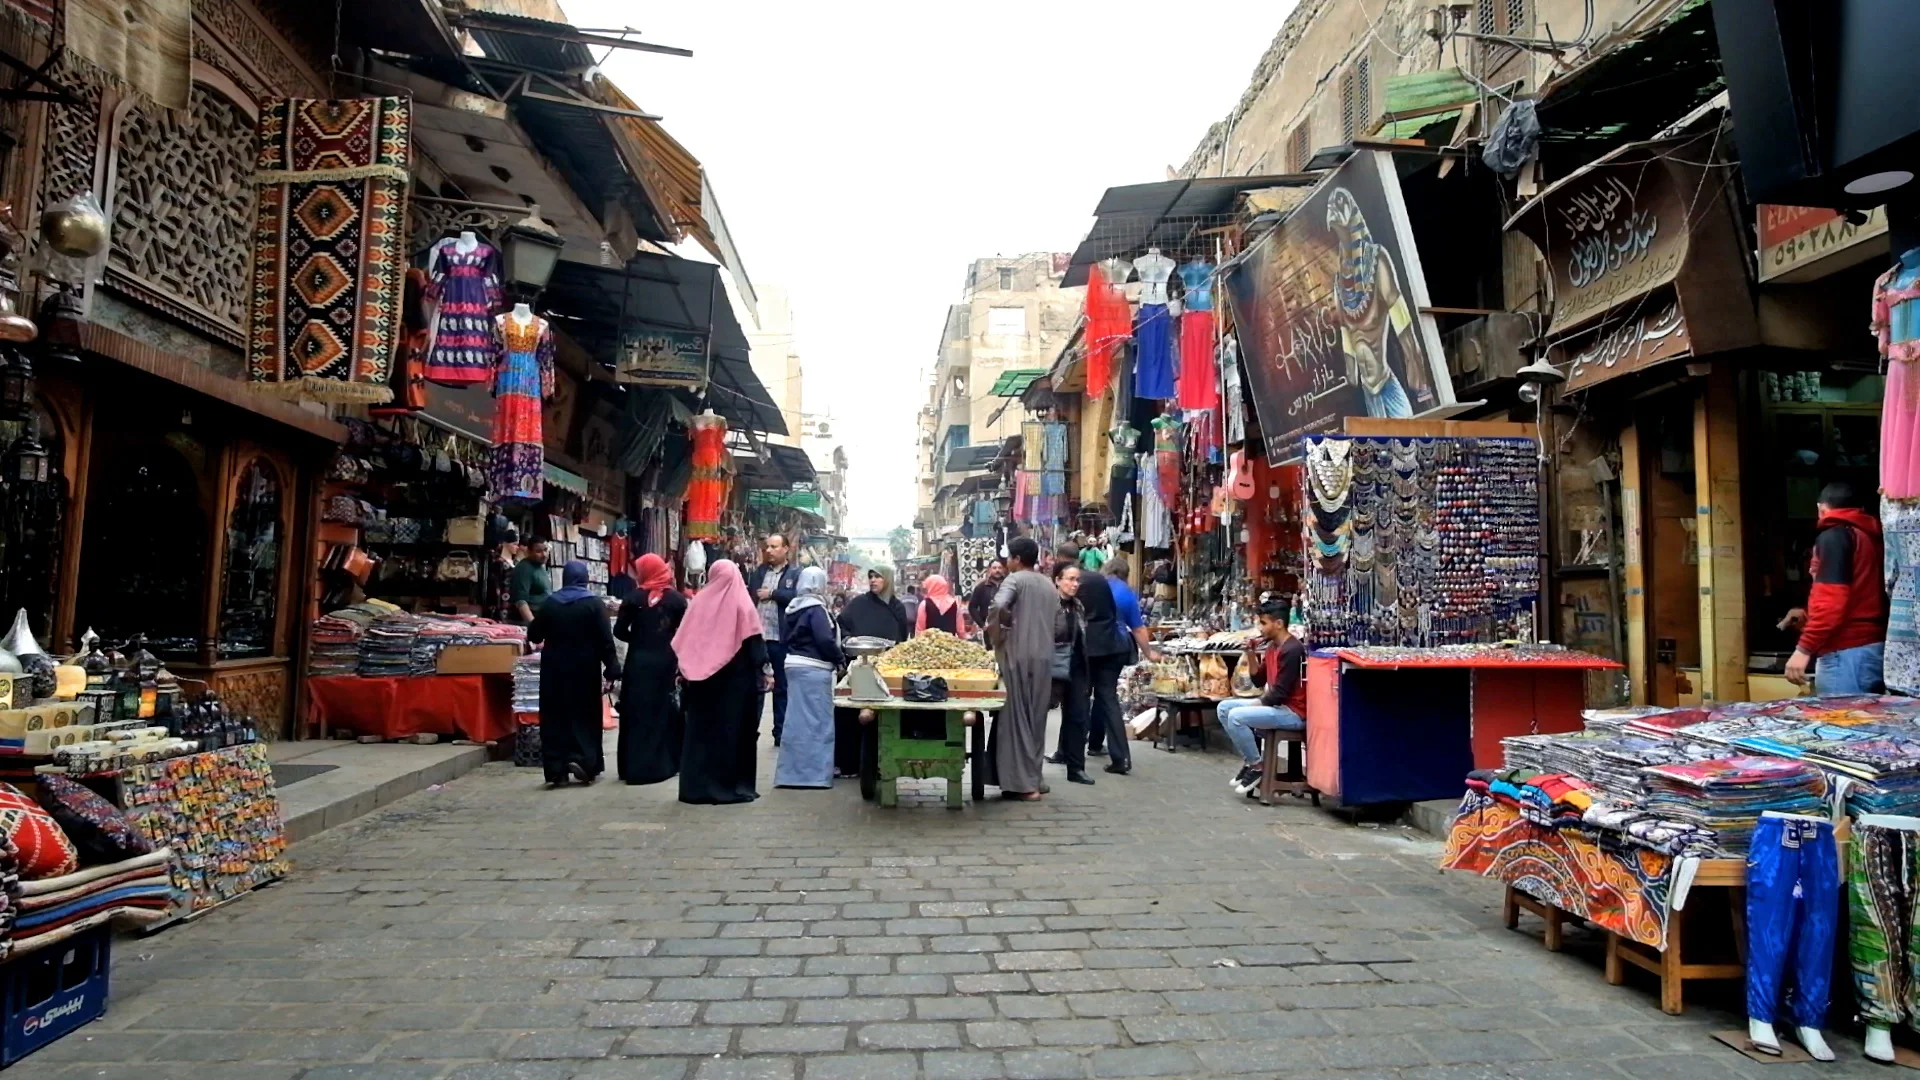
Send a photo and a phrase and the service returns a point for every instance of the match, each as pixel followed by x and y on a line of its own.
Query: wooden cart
pixel 921 740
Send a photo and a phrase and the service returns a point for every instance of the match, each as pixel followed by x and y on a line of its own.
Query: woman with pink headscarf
pixel 939 609
pixel 723 659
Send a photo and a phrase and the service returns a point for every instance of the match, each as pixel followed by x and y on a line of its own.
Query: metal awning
pixel 1166 215
pixel 1663 62
pixel 794 463
pixel 669 293
pixel 972 458
pixel 1014 383
pixel 562 479
pixel 545 44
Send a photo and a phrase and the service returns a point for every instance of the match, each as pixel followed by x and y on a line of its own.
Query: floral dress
pixel 467 287
pixel 524 377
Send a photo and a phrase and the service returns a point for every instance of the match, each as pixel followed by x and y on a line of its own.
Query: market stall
pixel 929 698
pixel 378 671
pixel 1404 724
pixel 1644 823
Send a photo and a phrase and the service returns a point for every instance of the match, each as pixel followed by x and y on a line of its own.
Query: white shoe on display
pixel 1879 1044
pixel 1815 1042
pixel 1761 1034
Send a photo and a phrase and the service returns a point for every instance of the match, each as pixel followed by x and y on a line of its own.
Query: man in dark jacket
pixel 1277 662
pixel 1844 625
pixel 982 596
pixel 775 583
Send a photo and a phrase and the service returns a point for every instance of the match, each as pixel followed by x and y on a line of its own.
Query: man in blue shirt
pixel 1114 629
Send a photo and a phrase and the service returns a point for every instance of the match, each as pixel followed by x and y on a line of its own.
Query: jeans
pixel 777 656
pixel 1106 726
pixel 1240 717
pixel 1793 911
pixel 1851 671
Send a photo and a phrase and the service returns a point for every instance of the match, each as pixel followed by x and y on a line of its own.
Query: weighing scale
pixel 863 675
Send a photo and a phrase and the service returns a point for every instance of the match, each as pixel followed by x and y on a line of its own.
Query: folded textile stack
pixel 135 892
pixel 1728 795
pixel 526 684
pixel 387 646
pixel 1618 825
pixel 1608 760
pixel 336 637
pixel 1555 800
pixel 440 631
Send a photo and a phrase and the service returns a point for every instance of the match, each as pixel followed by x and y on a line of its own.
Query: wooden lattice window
pixel 1497 62
pixel 1300 147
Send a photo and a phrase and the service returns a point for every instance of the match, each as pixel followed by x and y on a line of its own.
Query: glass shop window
pixel 251 582
pixel 143 556
pixel 33 510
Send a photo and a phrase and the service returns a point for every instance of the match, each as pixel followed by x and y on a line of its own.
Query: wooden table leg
pixel 1510 909
pixel 1555 920
pixel 1737 901
pixel 889 793
pixel 1671 983
pixel 979 739
pixel 1616 967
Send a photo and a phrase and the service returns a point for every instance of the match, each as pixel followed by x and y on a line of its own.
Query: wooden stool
pixel 1270 775
pixel 1177 714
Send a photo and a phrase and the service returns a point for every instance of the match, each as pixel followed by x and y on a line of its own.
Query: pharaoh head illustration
pixel 1355 288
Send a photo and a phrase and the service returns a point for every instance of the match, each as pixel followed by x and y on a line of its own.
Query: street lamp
pixel 530 249
pixel 1535 379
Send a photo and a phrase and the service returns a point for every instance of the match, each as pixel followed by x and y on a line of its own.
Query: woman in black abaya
pixel 874 613
pixel 576 662
pixel 651 731
pixel 723 659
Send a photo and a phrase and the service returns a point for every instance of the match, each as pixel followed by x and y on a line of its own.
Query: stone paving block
pixel 1160 1029
pixel 1032 1007
pixel 745 1012
pixel 857 946
pixel 943 964
pixel 383 1070
pixel 795 1039
pixel 1216 1001
pixel 750 1069
pixel 891 985
pixel 751 966
pixel 849 965
pixel 707 989
pixel 1043 1065
pixel 514 1070
pixel 961 1065
pixel 863 1067
pixel 653 967
pixel 952 1007
pixel 999 1034
pixel 547 1045
pixel 1042 960
pixel 966 943
pixel 851 1010
pixel 1074 982
pixel 1362 1052
pixel 908 1036
pixel 634 1069
pixel 925 926
pixel 1000 983
pixel 1145 1061
pixel 444 1045
pixel 629 1015
pixel 677 1042
pixel 804 986
pixel 1075 1032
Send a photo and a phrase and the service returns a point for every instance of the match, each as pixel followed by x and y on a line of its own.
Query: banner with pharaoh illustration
pixel 1328 310
pixel 1626 891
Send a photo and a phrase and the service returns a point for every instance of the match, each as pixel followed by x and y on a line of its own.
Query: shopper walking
pixel 1070 688
pixel 776 582
pixel 576 663
pixel 813 658
pixel 875 613
pixel 939 609
pixel 1020 628
pixel 652 725
pixel 723 658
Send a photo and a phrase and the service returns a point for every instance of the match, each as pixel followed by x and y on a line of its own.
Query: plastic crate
pixel 48 994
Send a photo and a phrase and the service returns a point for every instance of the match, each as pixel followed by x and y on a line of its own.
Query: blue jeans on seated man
pixel 1240 717
pixel 1851 671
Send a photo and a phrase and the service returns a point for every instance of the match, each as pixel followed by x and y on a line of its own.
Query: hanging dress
pixel 523 380
pixel 1199 377
pixel 467 288
pixel 1108 323
pixel 1896 323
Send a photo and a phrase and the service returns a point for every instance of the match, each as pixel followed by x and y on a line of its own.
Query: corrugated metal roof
pixel 1133 218
pixel 526 41
pixel 1014 383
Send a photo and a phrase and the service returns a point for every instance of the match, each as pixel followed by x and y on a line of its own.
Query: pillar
pixel 1723 587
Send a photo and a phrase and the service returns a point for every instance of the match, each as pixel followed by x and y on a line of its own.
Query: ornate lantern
pixel 27 461
pixel 16 385
pixel 63 319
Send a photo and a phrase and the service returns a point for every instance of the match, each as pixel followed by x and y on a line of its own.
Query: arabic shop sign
pixel 1646 334
pixel 1329 312
pixel 653 357
pixel 1611 235
pixel 1802 243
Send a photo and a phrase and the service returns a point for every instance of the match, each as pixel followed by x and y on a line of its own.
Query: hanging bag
pixel 457 566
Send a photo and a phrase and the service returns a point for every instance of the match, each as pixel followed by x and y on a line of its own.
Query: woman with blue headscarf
pixel 577 660
pixel 813 656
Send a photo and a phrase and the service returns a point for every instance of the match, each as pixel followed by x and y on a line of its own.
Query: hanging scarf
pixel 719 620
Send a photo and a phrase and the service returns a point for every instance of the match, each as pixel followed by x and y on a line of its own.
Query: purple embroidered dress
pixel 525 377
pixel 468 288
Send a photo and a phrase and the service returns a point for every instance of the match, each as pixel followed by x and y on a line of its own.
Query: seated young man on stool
pixel 1276 661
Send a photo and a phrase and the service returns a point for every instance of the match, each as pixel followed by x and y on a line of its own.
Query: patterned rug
pixel 1625 892
pixel 329 253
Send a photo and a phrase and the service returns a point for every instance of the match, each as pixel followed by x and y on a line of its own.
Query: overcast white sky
pixel 864 153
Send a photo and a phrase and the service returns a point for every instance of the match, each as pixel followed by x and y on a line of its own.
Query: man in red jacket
pixel 1844 624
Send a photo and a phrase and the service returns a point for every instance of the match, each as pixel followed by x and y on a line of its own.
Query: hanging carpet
pixel 329 258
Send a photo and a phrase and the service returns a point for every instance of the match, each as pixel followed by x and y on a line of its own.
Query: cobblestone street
pixel 1154 925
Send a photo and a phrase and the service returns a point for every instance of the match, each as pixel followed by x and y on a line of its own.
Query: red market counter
pixel 476 707
pixel 1405 725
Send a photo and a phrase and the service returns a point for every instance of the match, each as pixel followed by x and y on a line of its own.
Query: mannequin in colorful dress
pixel 466 284
pixel 523 379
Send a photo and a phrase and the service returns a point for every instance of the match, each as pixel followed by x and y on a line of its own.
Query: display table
pixel 476 707
pixel 1404 725
pixel 218 813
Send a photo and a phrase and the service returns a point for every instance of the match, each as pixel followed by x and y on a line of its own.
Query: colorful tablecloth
pixel 1627 892
pixel 477 707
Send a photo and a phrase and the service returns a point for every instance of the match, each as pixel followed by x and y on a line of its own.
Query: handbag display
pixel 470 530
pixel 457 566
pixel 342 510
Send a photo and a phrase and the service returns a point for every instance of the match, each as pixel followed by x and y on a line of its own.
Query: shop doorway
pixel 143 546
pixel 1671 550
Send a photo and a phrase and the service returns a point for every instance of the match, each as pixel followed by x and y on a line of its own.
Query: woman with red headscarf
pixel 723 659
pixel 939 609
pixel 650 717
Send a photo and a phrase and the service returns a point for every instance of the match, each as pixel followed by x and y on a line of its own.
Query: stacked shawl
pixel 136 892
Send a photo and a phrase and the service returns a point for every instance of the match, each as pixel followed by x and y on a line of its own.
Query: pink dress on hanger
pixel 1896 322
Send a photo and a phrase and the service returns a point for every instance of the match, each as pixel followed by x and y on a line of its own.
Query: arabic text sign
pixel 1648 334
pixel 1328 311
pixel 1796 241
pixel 650 357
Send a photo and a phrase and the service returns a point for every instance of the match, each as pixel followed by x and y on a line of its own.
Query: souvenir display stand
pixel 219 814
pixel 474 707
pixel 1403 725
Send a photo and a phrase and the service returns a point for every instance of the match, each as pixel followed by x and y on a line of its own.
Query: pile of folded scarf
pixel 1609 760
pixel 1554 800
pixel 1728 794
pixel 135 892
pixel 526 684
pixel 1621 825
pixel 336 637
pixel 1560 801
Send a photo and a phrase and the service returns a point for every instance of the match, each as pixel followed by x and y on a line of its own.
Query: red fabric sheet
pixel 477 707
pixel 1492 658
